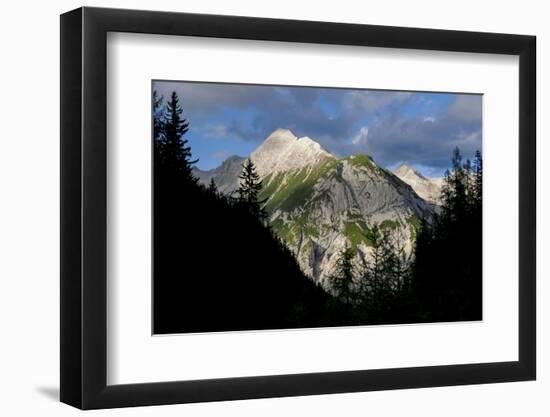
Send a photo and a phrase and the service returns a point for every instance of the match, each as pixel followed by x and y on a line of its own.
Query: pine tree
pixel 478 179
pixel 448 255
pixel 175 153
pixel 454 191
pixel 342 279
pixel 476 258
pixel 249 190
pixel 212 186
pixel 382 278
pixel 384 261
pixel 468 179
pixel 158 120
pixel 400 273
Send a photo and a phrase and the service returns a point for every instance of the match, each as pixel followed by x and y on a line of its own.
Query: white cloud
pixel 215 132
pixel 429 119
pixel 361 137
pixel 220 155
pixel 474 137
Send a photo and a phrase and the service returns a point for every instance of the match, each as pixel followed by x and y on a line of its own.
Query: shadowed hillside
pixel 220 266
pixel 216 266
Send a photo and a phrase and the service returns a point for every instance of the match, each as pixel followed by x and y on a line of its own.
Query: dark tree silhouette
pixel 478 180
pixel 158 119
pixel 250 187
pixel 212 186
pixel 216 267
pixel 454 192
pixel 380 278
pixel 342 279
pixel 173 148
pixel 441 280
pixel 158 126
pixel 448 259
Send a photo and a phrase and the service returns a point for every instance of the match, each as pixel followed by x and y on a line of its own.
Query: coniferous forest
pixel 219 266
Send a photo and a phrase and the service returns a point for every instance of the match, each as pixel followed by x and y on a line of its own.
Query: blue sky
pixel 393 127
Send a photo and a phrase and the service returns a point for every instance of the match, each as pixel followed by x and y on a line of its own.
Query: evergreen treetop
pixel 478 179
pixel 342 279
pixel 174 151
pixel 158 120
pixel 249 190
pixel 212 186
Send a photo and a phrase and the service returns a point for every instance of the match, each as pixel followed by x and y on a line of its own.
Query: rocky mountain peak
pixel 405 170
pixel 281 134
pixel 427 188
pixel 225 176
pixel 283 151
pixel 320 205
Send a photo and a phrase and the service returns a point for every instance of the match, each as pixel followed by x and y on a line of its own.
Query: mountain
pixel 282 151
pixel 226 176
pixel 320 204
pixel 427 188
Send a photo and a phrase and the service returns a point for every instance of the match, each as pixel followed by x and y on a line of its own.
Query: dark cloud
pixel 343 121
pixel 298 109
pixel 466 108
pixel 372 101
pixel 422 140
pixel 204 98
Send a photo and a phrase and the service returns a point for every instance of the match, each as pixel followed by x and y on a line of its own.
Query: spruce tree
pixel 175 153
pixel 468 180
pixel 400 273
pixel 448 257
pixel 478 179
pixel 249 190
pixel 158 120
pixel 158 128
pixel 212 186
pixel 384 262
pixel 342 279
pixel 454 191
pixel 381 277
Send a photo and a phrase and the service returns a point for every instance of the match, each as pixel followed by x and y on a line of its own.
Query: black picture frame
pixel 84 207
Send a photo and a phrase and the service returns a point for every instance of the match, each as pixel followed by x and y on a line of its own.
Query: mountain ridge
pixel 427 188
pixel 319 204
pixel 283 151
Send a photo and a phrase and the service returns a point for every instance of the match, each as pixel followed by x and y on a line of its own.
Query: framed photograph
pixel 257 208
